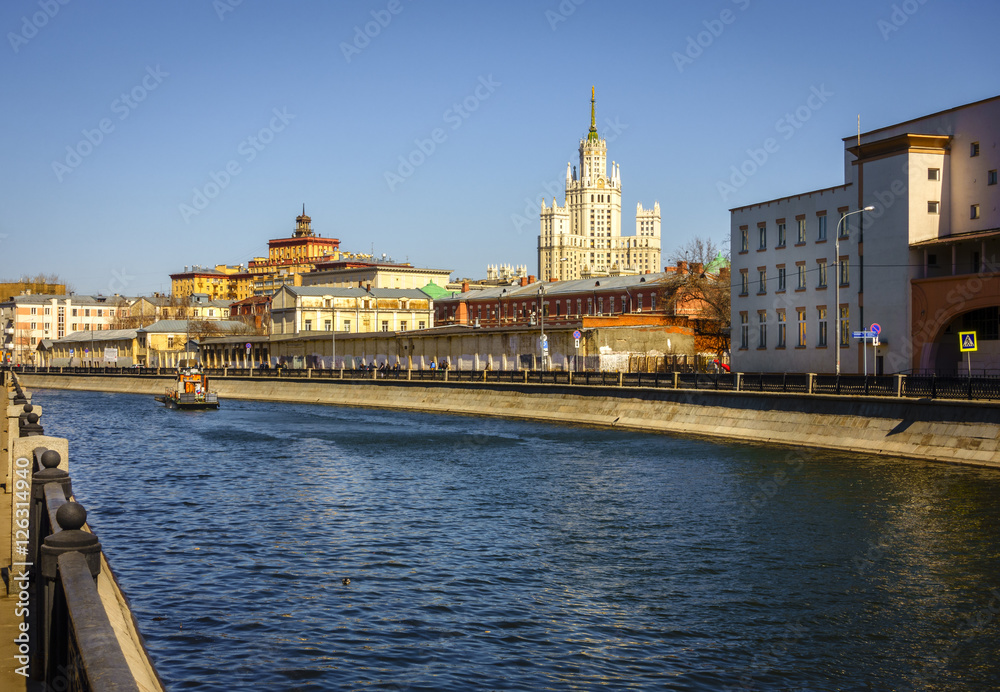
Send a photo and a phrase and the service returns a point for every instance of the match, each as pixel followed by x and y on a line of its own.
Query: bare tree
pixel 705 296
pixel 703 250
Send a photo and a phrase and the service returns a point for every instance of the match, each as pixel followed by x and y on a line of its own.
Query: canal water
pixel 487 554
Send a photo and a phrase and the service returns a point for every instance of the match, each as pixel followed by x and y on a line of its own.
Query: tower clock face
pixel 600 182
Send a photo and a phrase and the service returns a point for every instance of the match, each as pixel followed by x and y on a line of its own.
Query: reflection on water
pixel 489 554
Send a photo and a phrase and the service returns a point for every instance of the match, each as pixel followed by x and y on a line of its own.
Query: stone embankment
pixel 936 430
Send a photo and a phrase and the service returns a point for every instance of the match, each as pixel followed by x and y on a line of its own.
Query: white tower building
pixel 584 237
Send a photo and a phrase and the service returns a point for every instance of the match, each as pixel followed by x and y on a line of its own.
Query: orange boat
pixel 190 391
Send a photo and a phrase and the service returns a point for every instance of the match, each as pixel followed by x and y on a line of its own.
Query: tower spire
pixel 592 135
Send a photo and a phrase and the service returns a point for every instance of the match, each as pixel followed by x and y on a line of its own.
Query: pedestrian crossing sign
pixel 967 341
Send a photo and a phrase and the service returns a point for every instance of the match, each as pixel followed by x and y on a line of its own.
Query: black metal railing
pixel 976 387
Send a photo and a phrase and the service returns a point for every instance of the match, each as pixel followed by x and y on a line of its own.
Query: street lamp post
pixel 499 306
pixel 541 321
pixel 836 278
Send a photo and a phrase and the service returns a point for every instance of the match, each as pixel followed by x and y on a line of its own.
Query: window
pixel 328 325
pixel 86 313
pixel 802 230
pixel 801 312
pixel 781 329
pixel 762 232
pixel 762 329
pixel 75 312
pixel 744 239
pixel 600 305
pixel 579 306
pixel 991 177
pixel 762 281
pixel 308 325
pixel 781 278
pixel 420 325
pixel 170 342
pixel 34 325
pixel 744 282
pixel 845 326
pixel 845 271
pixel 347 325
pixel 821 337
pixel 781 234
pixel 974 149
pixel 72 327
pixel 933 207
pixel 802 277
pixel 385 325
pixel 821 234
pixel 652 302
pixel 590 306
pixel 974 211
pixel 638 302
pixel 744 331
pixel 821 278
pixel 845 224
pixel 624 305
pixel 934 174
pixel 402 326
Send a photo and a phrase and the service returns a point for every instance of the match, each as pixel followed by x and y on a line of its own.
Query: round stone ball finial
pixel 50 458
pixel 28 408
pixel 32 418
pixel 71 516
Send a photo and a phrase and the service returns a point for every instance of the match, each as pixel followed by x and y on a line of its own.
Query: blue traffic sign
pixel 863 335
pixel 576 334
pixel 876 328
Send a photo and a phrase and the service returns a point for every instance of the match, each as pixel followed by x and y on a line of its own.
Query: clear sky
pixel 137 137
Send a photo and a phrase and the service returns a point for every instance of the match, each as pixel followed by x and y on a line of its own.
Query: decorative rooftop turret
pixel 302 228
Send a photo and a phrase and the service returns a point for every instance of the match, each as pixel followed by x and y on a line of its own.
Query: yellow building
pixel 288 258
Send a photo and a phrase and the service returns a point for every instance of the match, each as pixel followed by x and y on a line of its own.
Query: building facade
pixel 37 317
pixel 356 273
pixel 922 264
pixel 583 238
pixel 297 309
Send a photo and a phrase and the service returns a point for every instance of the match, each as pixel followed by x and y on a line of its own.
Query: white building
pixel 929 263
pixel 584 237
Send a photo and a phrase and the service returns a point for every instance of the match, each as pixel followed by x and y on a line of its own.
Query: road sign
pixel 576 334
pixel 863 335
pixel 248 346
pixel 545 341
pixel 577 343
pixel 876 328
pixel 967 342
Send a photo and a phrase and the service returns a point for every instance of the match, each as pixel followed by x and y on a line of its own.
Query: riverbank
pixel 938 430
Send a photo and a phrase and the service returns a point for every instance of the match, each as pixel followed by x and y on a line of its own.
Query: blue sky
pixel 139 136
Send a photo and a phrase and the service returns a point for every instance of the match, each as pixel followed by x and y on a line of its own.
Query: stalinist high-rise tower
pixel 584 237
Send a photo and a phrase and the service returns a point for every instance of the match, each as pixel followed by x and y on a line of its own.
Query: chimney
pixel 724 274
pixel 531 278
pixel 465 287
pixel 552 279
pixel 697 268
pixel 682 267
pixel 524 281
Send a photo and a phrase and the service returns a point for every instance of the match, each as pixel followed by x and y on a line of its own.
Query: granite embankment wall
pixel 938 430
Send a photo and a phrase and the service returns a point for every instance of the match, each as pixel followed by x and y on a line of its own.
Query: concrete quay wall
pixel 938 430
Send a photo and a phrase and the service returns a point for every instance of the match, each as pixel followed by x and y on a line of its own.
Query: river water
pixel 486 554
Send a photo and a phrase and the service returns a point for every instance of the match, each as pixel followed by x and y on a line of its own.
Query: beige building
pixel 360 273
pixel 112 347
pixel 584 237
pixel 297 309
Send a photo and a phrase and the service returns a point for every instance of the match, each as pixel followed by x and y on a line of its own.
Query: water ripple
pixel 499 555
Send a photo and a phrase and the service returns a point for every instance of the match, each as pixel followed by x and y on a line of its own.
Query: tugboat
pixel 190 391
